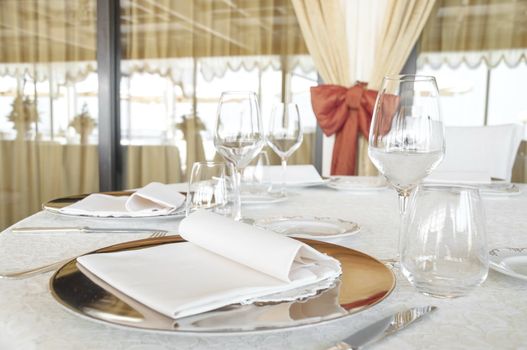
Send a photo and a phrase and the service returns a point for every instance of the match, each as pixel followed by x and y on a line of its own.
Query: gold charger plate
pixel 56 204
pixel 365 282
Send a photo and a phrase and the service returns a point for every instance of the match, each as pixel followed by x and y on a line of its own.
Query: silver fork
pixel 53 266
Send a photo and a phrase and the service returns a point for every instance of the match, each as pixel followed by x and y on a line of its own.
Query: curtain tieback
pixel 344 112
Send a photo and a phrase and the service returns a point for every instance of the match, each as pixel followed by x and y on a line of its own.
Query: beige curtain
pixel 35 168
pixel 402 26
pixel 189 29
pixel 323 26
pixel 475 25
pixel 44 39
pixel 322 23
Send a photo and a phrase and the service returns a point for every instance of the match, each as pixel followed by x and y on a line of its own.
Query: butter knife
pixel 382 328
pixel 84 229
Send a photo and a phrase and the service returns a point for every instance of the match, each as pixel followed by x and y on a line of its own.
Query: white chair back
pixel 490 149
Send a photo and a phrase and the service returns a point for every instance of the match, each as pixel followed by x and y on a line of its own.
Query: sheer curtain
pixel 197 43
pixel 387 32
pixel 40 40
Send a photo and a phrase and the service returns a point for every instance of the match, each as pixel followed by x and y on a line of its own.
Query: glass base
pixel 442 292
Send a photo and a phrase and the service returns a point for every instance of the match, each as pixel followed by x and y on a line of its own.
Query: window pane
pixel 507 102
pixel 462 91
pixel 179 56
pixel 48 103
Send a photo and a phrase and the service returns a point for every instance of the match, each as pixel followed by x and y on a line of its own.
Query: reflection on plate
pixel 364 282
pixel 262 197
pixel 54 206
pixel 309 226
pixel 357 183
pixel 510 261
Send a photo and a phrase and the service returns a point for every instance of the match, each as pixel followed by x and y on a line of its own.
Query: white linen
pixel 296 175
pixel 224 262
pixel 496 312
pixel 152 200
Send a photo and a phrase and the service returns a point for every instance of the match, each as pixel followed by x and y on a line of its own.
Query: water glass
pixel 443 247
pixel 209 186
pixel 254 179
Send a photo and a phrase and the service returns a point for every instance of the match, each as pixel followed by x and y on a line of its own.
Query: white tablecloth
pixel 493 316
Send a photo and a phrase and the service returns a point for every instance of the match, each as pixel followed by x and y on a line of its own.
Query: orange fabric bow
pixel 344 112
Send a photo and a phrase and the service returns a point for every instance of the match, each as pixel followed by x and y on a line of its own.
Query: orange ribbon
pixel 344 112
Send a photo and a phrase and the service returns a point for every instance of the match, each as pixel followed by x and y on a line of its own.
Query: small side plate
pixel 263 197
pixel 509 261
pixel 309 226
pixel 357 183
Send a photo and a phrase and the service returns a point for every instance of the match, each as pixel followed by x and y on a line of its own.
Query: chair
pixel 489 149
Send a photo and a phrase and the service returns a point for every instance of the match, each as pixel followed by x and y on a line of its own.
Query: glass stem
pixel 284 167
pixel 237 210
pixel 403 202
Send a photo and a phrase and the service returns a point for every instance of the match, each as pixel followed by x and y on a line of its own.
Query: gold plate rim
pixel 148 242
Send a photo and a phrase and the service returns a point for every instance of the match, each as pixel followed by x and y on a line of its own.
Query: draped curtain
pixel 49 50
pixel 33 170
pixel 388 47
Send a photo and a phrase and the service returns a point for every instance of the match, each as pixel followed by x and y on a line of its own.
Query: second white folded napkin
pixel 296 175
pixel 224 262
pixel 152 200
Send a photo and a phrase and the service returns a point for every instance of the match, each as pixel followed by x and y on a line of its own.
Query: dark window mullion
pixel 109 71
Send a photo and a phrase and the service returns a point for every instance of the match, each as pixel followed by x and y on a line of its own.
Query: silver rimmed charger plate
pixel 54 206
pixel 509 261
pixel 364 282
pixel 309 226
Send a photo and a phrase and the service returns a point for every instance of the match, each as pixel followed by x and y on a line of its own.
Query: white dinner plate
pixel 510 261
pixel 309 226
pixel 357 183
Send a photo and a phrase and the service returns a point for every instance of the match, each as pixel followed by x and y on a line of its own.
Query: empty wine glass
pixel 285 134
pixel 443 244
pixel 407 134
pixel 239 134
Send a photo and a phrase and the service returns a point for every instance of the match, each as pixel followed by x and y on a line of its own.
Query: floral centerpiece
pixel 23 114
pixel 83 124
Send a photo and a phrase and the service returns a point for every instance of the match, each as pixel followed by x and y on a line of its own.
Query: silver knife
pixel 382 328
pixel 84 229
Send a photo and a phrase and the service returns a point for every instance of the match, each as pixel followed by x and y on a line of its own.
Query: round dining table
pixel 492 316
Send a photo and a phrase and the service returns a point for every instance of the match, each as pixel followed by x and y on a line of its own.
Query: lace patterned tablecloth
pixel 493 316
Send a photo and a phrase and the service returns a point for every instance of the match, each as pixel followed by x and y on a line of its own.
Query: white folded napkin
pixel 295 175
pixel 152 200
pixel 224 262
pixel 461 177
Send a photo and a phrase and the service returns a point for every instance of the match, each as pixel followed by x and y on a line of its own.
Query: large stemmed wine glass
pixel 407 133
pixel 285 134
pixel 239 135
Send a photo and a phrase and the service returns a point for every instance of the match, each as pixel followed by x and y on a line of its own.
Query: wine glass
pixel 285 134
pixel 239 135
pixel 407 133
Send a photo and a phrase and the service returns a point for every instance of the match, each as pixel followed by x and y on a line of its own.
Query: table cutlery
pixel 53 266
pixel 382 328
pixel 84 229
